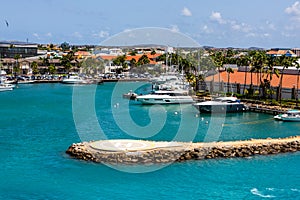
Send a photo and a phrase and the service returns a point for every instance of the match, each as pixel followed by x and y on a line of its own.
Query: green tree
pixel 243 60
pixel 133 53
pixel 153 52
pixel 229 71
pixel 65 46
pixel 285 62
pixel 16 68
pixel 121 61
pixel 133 62
pixel 218 59
pixel 143 60
pixel 259 59
pixel 92 66
pixel 297 65
pixel 66 61
pixel 34 67
pixel 270 71
pixel 52 69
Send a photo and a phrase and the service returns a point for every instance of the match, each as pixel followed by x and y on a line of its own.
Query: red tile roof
pixel 289 81
pixel 129 57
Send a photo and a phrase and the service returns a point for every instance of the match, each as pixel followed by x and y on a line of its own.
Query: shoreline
pixel 136 152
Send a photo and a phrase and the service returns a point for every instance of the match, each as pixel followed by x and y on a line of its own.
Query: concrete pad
pixel 130 145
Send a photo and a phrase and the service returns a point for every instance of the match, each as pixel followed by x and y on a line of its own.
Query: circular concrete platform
pixel 130 145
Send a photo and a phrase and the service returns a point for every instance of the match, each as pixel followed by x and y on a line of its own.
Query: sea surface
pixel 39 122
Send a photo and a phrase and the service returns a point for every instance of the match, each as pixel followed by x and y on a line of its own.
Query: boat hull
pixel 221 108
pixel 5 89
pixel 290 119
pixel 289 116
pixel 152 101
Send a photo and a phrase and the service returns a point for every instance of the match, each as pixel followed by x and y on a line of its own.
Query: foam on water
pixel 255 191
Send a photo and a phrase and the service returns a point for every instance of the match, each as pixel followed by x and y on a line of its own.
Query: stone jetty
pixel 151 152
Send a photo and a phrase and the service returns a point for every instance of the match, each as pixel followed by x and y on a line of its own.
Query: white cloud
pixel 270 25
pixel 174 28
pixel 77 35
pixel 36 35
pixel 294 10
pixel 127 30
pixel 186 12
pixel 48 34
pixel 101 34
pixel 251 35
pixel 216 16
pixel 236 26
pixel 206 29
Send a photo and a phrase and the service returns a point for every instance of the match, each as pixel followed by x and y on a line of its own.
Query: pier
pixel 268 110
pixel 151 152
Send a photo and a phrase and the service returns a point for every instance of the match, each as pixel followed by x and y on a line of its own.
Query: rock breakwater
pixel 149 152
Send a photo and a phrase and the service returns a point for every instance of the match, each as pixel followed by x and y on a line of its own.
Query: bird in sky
pixel 6 22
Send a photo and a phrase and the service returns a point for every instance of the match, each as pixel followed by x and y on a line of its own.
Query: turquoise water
pixel 37 126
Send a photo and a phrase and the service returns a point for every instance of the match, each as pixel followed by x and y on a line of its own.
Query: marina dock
pixel 268 110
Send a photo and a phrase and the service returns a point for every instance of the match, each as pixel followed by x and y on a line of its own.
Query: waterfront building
pixel 21 49
pixel 280 52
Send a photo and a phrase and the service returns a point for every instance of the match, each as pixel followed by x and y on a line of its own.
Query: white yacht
pixel 6 87
pixel 166 97
pixel 74 79
pixel 130 95
pixel 289 116
pixel 220 105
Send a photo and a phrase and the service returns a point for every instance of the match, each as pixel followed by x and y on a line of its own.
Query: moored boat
pixel 166 97
pixel 289 116
pixel 73 79
pixel 6 87
pixel 130 95
pixel 221 105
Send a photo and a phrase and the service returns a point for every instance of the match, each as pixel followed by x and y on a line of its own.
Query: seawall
pixel 150 152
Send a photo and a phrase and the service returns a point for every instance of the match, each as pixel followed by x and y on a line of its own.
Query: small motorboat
pixel 74 79
pixel 220 105
pixel 289 116
pixel 166 97
pixel 6 87
pixel 130 95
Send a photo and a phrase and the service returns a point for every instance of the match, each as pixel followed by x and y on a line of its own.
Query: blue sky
pixel 219 23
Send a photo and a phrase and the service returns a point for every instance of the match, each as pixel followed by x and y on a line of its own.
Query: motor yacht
pixel 290 115
pixel 74 79
pixel 166 97
pixel 221 105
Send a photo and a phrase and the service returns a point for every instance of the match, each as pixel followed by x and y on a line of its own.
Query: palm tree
pixel 52 69
pixel 218 59
pixel 34 67
pixel 244 61
pixel 66 61
pixel 267 82
pixel 229 70
pixel 143 60
pixel 285 62
pixel 297 65
pixel 17 66
pixel 133 62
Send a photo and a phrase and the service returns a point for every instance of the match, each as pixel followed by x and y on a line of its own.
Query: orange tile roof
pixel 272 52
pixel 289 80
pixel 108 57
pixel 129 57
pixel 82 53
